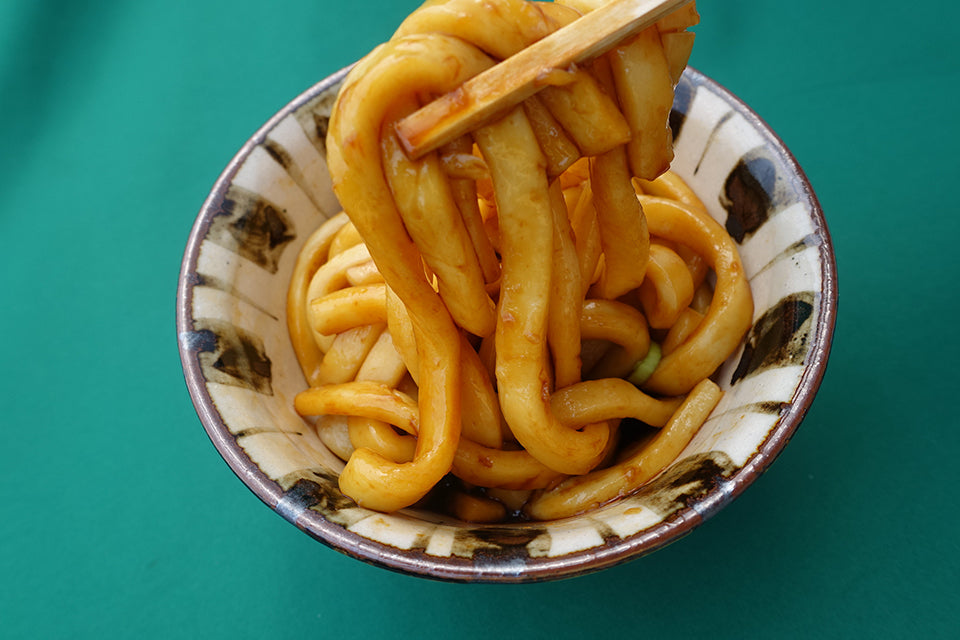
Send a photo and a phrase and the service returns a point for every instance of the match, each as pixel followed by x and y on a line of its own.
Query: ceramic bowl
pixel 242 373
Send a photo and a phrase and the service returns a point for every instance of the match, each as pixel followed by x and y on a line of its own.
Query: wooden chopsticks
pixel 511 81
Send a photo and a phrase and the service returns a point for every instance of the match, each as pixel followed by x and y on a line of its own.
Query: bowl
pixel 242 373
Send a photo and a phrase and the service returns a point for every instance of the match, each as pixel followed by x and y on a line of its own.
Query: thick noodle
pixel 525 320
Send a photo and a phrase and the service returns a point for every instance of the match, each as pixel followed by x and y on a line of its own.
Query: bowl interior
pixel 242 373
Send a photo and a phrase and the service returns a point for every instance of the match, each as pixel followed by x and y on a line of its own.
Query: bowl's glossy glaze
pixel 242 373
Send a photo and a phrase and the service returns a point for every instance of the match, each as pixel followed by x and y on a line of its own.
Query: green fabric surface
pixel 119 519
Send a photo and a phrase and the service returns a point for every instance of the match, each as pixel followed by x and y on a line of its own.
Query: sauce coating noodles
pixel 523 322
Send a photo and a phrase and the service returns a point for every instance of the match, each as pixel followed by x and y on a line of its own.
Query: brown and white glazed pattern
pixel 242 374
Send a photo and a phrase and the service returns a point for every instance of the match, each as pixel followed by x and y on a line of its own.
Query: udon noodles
pixel 524 322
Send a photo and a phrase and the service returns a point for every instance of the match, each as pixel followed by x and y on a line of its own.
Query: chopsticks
pixel 511 81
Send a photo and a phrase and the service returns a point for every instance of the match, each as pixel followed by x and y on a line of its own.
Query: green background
pixel 119 519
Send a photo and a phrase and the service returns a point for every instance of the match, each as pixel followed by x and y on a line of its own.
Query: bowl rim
pixel 453 569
